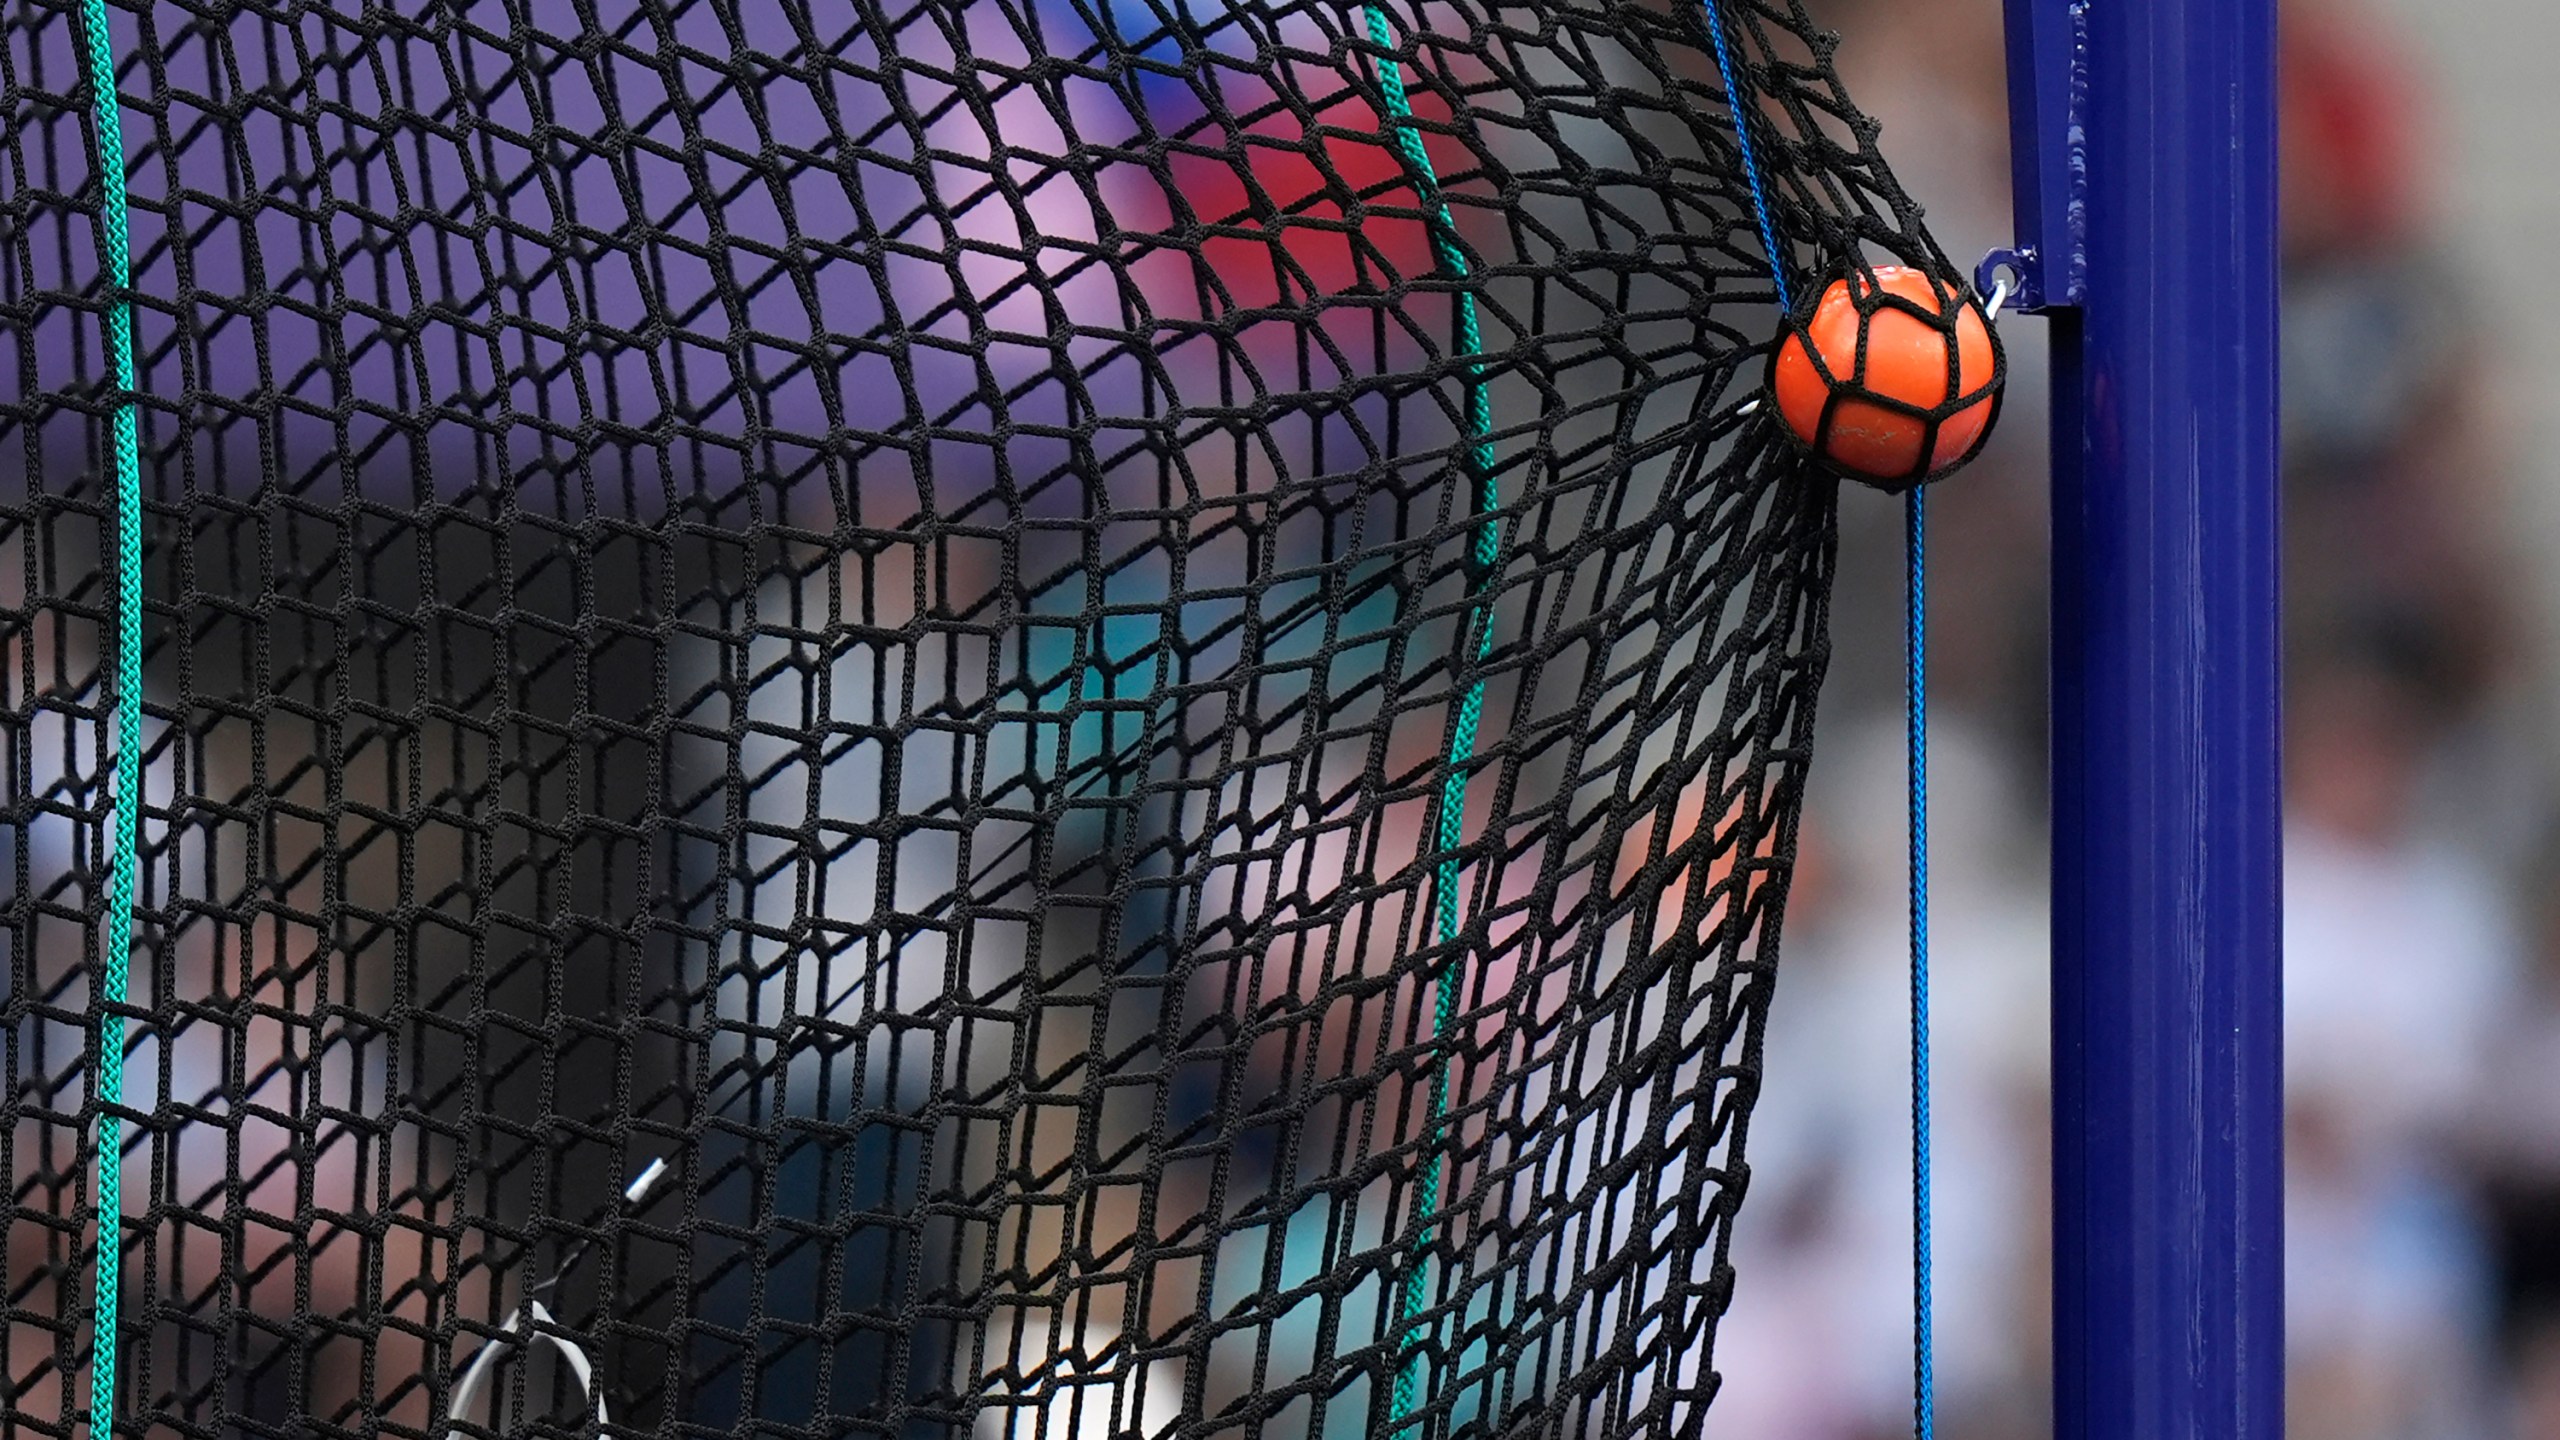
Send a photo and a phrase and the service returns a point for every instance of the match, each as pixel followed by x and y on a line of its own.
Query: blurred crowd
pixel 2423 838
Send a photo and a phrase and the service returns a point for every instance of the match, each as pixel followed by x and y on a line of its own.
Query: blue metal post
pixel 2168 1187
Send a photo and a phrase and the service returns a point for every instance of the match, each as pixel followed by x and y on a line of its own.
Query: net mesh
pixel 866 610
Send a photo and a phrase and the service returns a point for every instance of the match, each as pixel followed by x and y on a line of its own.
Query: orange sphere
pixel 1904 359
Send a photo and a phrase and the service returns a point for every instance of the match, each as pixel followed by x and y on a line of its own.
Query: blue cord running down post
pixel 1924 1378
pixel 1450 809
pixel 117 276
pixel 1915 531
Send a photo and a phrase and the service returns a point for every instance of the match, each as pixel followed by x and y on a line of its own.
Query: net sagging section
pixel 871 605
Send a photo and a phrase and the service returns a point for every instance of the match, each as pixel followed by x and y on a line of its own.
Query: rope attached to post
pixel 1916 651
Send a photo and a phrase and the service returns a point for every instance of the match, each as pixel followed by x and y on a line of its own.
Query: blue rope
pixel 115 255
pixel 1924 1380
pixel 1449 829
pixel 1924 1388
pixel 1761 209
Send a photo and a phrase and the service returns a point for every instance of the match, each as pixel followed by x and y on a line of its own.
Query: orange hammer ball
pixel 1904 360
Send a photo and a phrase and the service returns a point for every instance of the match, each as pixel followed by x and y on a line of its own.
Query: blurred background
pixel 2423 833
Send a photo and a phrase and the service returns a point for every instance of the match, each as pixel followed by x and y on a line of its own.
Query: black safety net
pixel 1062 718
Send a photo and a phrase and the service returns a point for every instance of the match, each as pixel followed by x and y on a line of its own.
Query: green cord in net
pixel 115 258
pixel 1451 808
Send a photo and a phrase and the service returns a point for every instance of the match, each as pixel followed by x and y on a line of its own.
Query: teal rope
pixel 115 254
pixel 1450 831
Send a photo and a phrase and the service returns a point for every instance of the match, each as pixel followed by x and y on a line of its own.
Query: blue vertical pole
pixel 2156 152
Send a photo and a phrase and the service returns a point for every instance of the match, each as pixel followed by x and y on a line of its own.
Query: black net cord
pixel 868 605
